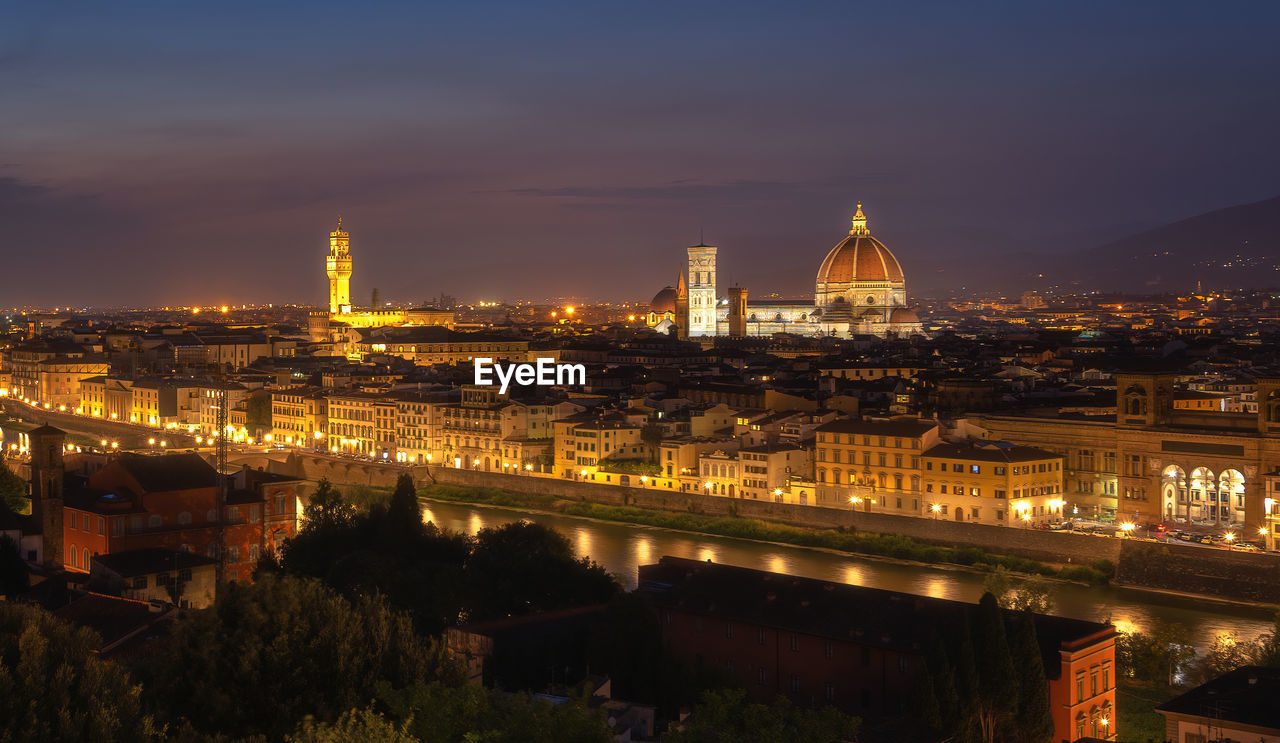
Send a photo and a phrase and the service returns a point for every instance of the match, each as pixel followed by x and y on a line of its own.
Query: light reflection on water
pixel 622 548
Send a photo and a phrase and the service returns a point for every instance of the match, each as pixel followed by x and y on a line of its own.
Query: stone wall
pixel 1243 576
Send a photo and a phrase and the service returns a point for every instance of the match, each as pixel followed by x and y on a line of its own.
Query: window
pixel 1080 686
pixel 795 684
pixel 830 691
pixel 117 527
pixel 184 518
pixel 760 636
pixel 728 630
pixel 828 649
pixel 866 656
pixel 140 582
pixel 762 676
pixel 975 469
pixel 102 525
pixel 233 554
pixel 795 643
pixel 155 520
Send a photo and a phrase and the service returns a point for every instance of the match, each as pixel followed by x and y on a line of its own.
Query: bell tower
pixel 702 290
pixel 338 265
pixel 47 472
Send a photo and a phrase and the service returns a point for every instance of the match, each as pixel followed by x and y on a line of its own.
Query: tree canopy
pixel 270 653
pixel 54 688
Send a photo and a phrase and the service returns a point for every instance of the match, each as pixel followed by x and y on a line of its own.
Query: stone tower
pixel 338 265
pixel 682 308
pixel 738 311
pixel 702 290
pixel 47 472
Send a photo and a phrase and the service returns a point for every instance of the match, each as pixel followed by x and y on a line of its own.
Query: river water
pixel 621 548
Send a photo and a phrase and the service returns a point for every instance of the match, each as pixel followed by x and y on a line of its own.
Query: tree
pixel 438 713
pixel 13 490
pixel 966 682
pixel 272 652
pixel 327 509
pixel 997 688
pixel 1158 657
pixel 54 687
pixel 726 716
pixel 354 726
pixel 1034 718
pixel 1227 653
pixel 404 501
pixel 922 701
pixel 1028 595
pixel 523 567
pixel 943 684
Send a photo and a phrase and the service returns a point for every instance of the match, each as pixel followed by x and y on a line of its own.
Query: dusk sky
pixel 155 153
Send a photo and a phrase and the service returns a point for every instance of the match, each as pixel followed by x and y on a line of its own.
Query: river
pixel 621 548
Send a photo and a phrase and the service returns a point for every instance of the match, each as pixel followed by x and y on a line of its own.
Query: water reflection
pixel 622 548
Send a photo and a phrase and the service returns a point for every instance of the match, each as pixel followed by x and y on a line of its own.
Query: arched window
pixel 72 554
pixel 184 518
pixel 882 479
pixel 85 554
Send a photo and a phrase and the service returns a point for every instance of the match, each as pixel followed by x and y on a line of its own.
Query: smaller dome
pixel 664 301
pixel 902 314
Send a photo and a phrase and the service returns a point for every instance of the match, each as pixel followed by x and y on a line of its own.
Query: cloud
pixel 678 190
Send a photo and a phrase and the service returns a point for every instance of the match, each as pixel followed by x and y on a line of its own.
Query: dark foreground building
pixel 854 647
pixel 1236 706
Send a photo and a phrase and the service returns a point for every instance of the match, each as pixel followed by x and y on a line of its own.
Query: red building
pixel 171 501
pixel 856 648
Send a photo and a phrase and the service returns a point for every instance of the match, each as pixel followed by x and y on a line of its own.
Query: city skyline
pixel 584 148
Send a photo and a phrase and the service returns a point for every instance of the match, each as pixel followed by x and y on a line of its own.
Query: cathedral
pixel 860 290
pixel 342 315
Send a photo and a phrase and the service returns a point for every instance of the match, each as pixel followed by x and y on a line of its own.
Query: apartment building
pixel 993 483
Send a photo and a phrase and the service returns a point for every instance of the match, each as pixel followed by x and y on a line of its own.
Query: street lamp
pixel 937 509
pixel 1230 539
pixel 1269 530
pixel 1127 527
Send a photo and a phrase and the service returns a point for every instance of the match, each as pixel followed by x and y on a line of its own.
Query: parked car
pixel 1247 547
pixel 1204 539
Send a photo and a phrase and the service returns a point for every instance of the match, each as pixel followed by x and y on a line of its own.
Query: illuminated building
pixel 1154 461
pixel 860 290
pixel 324 326
pixel 993 483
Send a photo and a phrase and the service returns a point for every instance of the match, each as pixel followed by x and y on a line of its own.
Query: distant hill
pixel 1236 247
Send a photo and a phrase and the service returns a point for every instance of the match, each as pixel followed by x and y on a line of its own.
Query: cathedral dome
pixel 664 301
pixel 904 315
pixel 859 258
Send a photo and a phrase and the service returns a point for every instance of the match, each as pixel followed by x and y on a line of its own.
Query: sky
pixel 199 153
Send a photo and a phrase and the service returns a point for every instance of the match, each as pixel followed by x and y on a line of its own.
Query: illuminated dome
pixel 860 257
pixel 860 270
pixel 664 301
pixel 902 314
